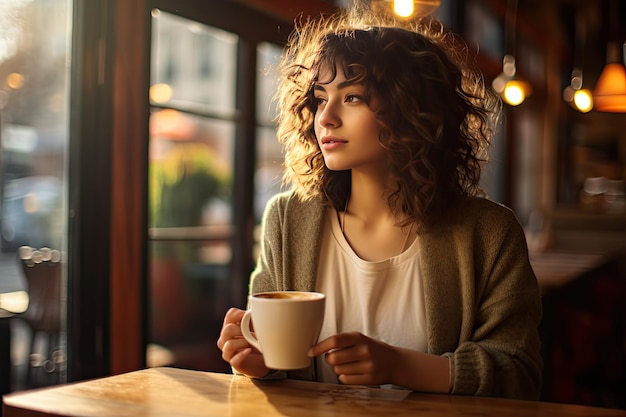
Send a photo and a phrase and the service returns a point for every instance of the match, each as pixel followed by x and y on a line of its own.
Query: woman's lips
pixel 330 143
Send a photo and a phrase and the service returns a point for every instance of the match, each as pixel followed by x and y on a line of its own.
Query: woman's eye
pixel 352 98
pixel 319 101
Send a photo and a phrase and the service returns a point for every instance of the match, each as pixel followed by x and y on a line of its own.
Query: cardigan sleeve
pixel 267 275
pixel 501 355
pixel 288 257
pixel 291 230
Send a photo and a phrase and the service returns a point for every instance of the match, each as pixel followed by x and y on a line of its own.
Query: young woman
pixel 428 283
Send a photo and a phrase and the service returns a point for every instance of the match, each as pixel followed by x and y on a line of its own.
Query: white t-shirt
pixel 383 300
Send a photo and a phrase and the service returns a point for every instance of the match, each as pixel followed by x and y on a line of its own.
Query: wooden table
pixel 183 393
pixel 556 269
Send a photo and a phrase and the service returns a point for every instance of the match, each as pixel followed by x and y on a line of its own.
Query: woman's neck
pixel 368 200
pixel 369 225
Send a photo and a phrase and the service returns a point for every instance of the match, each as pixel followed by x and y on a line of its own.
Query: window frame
pixel 108 166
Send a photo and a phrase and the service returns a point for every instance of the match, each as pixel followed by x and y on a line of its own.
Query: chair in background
pixel 42 269
pixel 12 303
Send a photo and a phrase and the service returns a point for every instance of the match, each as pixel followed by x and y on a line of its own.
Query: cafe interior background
pixel 138 150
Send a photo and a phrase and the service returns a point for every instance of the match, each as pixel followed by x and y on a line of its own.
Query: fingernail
pixel 310 353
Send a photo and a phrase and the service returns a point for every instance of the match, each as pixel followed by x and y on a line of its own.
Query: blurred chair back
pixel 42 270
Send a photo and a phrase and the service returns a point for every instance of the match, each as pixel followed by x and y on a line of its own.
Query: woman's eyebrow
pixel 340 86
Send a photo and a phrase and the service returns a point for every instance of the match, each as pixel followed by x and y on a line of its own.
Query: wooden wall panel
pixel 129 184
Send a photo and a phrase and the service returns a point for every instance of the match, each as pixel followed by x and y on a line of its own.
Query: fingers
pixel 244 359
pixel 231 340
pixel 231 347
pixel 357 359
pixel 229 331
pixel 230 328
pixel 236 350
pixel 353 365
pixel 234 315
pixel 338 341
pixel 237 361
pixel 355 379
pixel 337 357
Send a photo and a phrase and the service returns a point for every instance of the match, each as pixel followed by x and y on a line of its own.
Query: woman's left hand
pixel 358 359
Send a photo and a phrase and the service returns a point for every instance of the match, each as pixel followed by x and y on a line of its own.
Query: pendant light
pixel 406 8
pixel 609 93
pixel 511 88
pixel 578 97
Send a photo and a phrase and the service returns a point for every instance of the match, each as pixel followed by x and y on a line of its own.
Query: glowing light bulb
pixel 514 93
pixel 403 8
pixel 583 100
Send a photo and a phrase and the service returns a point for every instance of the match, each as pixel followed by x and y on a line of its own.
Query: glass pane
pixel 190 193
pixel 192 138
pixel 193 65
pixel 34 120
pixel 268 55
pixel 190 170
pixel 269 169
pixel 269 165
pixel 188 298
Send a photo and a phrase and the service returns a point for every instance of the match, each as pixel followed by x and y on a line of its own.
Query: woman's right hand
pixel 236 350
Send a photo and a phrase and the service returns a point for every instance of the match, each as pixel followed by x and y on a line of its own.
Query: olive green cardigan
pixel 482 301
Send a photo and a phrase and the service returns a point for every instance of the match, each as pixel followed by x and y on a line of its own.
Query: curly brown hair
pixel 437 116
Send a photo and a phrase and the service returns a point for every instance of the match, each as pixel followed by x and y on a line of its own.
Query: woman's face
pixel 345 126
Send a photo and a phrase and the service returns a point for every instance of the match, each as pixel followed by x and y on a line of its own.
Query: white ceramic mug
pixel 286 325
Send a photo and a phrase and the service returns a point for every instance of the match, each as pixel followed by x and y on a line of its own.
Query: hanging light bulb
pixel 583 100
pixel 512 89
pixel 574 94
pixel 406 8
pixel 403 8
pixel 514 93
pixel 579 98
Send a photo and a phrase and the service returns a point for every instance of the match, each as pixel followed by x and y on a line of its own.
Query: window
pixel 34 137
pixel 198 139
pixel 192 136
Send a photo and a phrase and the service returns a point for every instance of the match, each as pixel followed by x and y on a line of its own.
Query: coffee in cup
pixel 286 325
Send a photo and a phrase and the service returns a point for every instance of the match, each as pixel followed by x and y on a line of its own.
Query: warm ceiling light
pixel 583 101
pixel 609 95
pixel 406 8
pixel 579 98
pixel 610 92
pixel 403 8
pixel 514 92
pixel 512 89
pixel 508 85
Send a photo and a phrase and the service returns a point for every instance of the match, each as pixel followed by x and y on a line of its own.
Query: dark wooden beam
pixel 288 10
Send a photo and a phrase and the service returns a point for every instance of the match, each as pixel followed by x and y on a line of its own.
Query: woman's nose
pixel 328 116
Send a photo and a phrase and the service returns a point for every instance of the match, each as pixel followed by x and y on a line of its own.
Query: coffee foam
pixel 288 295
